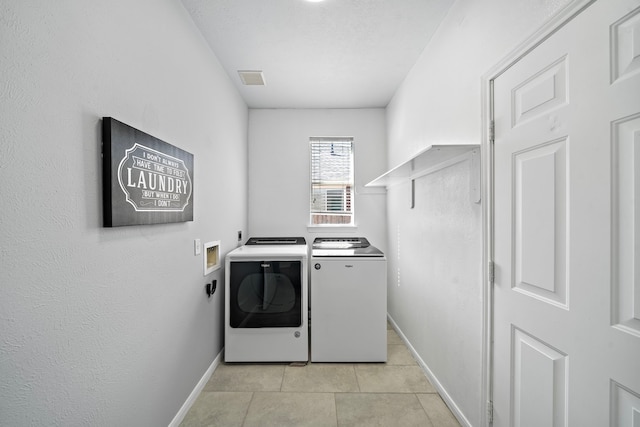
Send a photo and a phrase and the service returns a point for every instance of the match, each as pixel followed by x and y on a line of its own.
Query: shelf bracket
pixel 412 202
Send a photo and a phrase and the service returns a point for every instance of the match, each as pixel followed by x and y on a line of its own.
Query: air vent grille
pixel 252 77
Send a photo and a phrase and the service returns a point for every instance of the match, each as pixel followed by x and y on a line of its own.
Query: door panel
pixel 625 409
pixel 539 207
pixel 539 382
pixel 541 93
pixel 626 213
pixel 625 47
pixel 566 237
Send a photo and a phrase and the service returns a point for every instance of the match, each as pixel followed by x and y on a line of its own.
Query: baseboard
pixel 196 391
pixel 455 410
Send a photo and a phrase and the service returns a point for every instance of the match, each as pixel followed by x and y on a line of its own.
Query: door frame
pixel 550 27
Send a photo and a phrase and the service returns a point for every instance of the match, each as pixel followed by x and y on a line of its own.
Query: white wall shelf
pixel 431 158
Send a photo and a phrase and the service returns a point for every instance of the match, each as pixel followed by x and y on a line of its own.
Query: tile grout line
pixel 284 372
pixel 424 409
pixel 335 405
pixel 355 373
pixel 246 412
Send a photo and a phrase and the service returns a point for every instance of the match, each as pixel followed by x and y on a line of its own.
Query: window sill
pixel 330 228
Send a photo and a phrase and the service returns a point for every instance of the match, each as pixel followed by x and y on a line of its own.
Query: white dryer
pixel 348 302
pixel 266 301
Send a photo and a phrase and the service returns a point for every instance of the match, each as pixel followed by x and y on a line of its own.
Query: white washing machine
pixel 348 303
pixel 266 301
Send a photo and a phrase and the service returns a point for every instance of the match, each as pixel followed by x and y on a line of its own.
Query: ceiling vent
pixel 251 78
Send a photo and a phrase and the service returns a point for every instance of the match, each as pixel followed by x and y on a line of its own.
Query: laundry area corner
pixel 319 212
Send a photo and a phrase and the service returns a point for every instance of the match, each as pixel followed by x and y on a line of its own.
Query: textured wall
pixel 437 246
pixel 98 326
pixel 279 161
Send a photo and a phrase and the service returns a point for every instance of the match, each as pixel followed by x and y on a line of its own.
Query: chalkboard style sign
pixel 144 180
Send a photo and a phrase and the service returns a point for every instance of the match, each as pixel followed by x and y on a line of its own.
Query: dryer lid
pixel 276 241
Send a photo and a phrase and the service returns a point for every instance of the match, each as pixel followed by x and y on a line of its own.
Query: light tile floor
pixel 395 394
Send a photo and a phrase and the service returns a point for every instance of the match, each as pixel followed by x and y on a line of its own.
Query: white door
pixel 566 248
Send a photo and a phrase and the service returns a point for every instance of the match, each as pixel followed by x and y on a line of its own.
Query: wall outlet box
pixel 211 257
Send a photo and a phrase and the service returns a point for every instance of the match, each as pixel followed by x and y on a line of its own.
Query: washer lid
pixel 344 247
pixel 340 243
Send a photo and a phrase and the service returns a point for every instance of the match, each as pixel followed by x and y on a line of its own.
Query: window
pixel 331 194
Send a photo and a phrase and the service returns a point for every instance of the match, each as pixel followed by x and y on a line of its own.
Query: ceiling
pixel 331 54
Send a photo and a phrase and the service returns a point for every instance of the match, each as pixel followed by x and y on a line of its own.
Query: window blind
pixel 331 195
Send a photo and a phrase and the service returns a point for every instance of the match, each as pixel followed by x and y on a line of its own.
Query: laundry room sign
pixel 145 180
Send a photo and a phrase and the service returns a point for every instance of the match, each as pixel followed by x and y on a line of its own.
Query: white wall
pixel 437 247
pixel 107 327
pixel 279 169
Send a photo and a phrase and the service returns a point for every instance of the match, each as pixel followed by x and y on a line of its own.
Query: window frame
pixel 349 187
